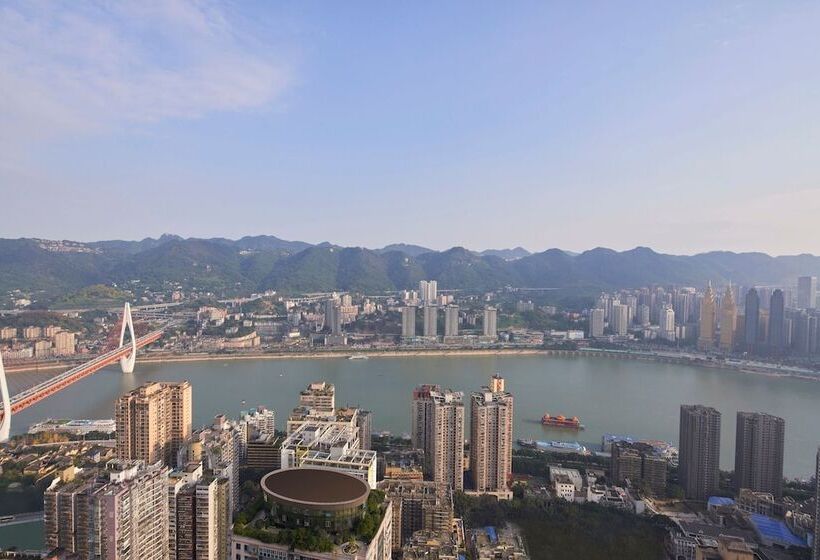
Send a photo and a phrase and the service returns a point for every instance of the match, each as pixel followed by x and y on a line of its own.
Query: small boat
pixel 358 357
pixel 561 421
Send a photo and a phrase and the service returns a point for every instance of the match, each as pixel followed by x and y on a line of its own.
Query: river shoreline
pixel 688 359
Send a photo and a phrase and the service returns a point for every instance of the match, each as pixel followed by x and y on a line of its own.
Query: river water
pixel 641 399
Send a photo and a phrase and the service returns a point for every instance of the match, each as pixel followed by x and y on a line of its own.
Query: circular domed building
pixel 315 497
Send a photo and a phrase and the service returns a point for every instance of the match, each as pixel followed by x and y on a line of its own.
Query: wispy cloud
pixel 76 68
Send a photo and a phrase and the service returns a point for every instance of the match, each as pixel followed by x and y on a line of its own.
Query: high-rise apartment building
pixel 596 322
pixel 699 451
pixel 438 429
pixel 666 320
pixel 777 323
pixel 118 514
pixel 641 465
pixel 491 436
pixel 751 324
pixel 619 322
pixel 817 508
pixel 418 506
pixel 153 421
pixel 451 320
pixel 728 320
pixel 759 452
pixel 408 321
pixel 428 291
pixel 807 292
pixel 199 517
pixel 490 322
pixel 706 334
pixel 430 320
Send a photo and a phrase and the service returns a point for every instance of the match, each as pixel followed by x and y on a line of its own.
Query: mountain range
pixel 251 264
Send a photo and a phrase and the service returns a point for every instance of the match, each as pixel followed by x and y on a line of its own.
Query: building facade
pixel 706 324
pixel 491 437
pixel 728 321
pixel 759 452
pixel 408 321
pixel 438 428
pixel 699 451
pixel 153 421
pixel 490 322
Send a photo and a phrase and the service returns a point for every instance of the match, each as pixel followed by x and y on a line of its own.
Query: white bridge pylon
pixel 127 362
pixel 5 424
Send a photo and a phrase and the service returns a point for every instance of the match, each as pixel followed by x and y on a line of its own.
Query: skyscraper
pixel 807 292
pixel 759 452
pixel 153 421
pixel 451 320
pixel 408 321
pixel 596 322
pixel 777 323
pixel 430 320
pixel 438 429
pixel 699 451
pixel 491 436
pixel 490 321
pixel 728 320
pixel 706 334
pixel 752 321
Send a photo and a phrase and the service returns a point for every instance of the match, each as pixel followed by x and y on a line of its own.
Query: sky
pixel 682 126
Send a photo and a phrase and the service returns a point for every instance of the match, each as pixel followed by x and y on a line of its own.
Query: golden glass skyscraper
pixel 706 336
pixel 728 320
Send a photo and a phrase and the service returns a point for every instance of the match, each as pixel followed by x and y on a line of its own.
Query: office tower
pixel 430 320
pixel 199 517
pixel 319 397
pixel 728 320
pixel 777 323
pixel 817 508
pixel 153 421
pixel 759 452
pixel 490 321
pixel 451 320
pixel 807 292
pixel 620 319
pixel 120 513
pixel 408 321
pixel 438 429
pixel 683 305
pixel 752 321
pixel 491 436
pixel 333 316
pixel 596 322
pixel 699 451
pixel 706 335
pixel 667 322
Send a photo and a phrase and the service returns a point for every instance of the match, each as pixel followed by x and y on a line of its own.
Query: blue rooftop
pixel 717 501
pixel 776 531
pixel 492 534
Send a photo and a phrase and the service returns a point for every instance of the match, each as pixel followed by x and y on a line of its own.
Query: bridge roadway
pixel 33 395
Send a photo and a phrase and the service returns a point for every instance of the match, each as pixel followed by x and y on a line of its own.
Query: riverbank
pixel 692 359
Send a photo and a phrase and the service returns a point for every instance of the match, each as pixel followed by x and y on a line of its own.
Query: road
pixel 20 518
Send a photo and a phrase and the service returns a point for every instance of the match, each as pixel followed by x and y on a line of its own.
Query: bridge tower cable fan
pixel 127 362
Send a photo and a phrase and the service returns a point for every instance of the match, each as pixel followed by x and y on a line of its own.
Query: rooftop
pixel 315 486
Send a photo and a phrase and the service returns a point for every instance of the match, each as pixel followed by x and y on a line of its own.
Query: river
pixel 617 396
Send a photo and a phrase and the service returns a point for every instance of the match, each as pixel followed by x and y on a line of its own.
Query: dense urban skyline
pixel 699 117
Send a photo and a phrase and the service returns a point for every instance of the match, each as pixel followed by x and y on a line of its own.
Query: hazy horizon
pixel 685 128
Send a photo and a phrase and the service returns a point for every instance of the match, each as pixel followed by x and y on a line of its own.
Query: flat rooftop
pixel 312 486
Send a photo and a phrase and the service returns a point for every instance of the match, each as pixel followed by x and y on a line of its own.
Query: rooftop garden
pixel 250 524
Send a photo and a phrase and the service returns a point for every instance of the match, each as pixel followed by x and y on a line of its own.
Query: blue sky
pixel 682 126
